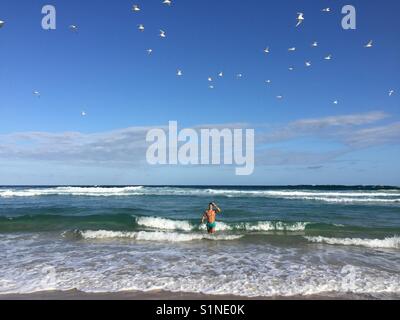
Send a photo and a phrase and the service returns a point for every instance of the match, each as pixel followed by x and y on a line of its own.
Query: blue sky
pixel 104 70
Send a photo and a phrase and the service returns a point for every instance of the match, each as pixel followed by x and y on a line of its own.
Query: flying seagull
pixel 1 23
pixel 335 102
pixel 83 114
pixel 211 86
pixel 369 44
pixel 268 81
pixel 210 79
pixel 300 18
pixel 163 34
pixel 135 8
pixel 279 97
pixel 266 50
pixel 73 28
pixel 326 10
pixel 221 74
pixel 291 68
pixel 292 49
pixel 314 44
pixel 149 51
pixel 391 93
pixel 36 93
pixel 328 57
pixel 179 73
pixel 141 27
pixel 239 75
pixel 167 2
pixel 308 63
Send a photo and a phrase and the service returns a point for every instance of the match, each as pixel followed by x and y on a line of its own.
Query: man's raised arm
pixel 216 208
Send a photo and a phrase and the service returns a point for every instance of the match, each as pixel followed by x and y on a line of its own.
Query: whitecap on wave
pixel 389 242
pixel 377 196
pixel 184 225
pixel 154 236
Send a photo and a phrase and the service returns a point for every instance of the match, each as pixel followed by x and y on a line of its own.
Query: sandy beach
pixel 160 295
pixel 128 295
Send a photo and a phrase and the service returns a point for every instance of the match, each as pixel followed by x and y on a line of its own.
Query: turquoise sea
pixel 270 241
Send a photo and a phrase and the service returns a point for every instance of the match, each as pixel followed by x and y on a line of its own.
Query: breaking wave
pixel 164 224
pixel 129 222
pixel 390 242
pixel 154 236
pixel 184 225
pixel 333 196
pixel 72 191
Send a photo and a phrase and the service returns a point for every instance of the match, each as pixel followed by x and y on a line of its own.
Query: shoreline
pixel 162 295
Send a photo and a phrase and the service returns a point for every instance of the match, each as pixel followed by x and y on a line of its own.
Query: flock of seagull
pixel 179 73
pixel 300 19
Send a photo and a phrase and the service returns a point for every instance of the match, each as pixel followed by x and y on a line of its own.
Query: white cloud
pixel 389 134
pixel 128 146
pixel 321 126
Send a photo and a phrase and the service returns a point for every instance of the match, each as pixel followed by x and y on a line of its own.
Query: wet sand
pixel 156 295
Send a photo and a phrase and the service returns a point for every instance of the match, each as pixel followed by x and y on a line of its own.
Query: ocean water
pixel 270 241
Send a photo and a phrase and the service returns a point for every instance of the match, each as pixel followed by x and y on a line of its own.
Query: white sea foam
pixel 270 226
pixel 390 242
pixel 346 200
pixel 154 236
pixel 184 225
pixel 74 191
pixel 164 224
pixel 250 270
pixel 291 193
pixel 346 197
pixel 379 196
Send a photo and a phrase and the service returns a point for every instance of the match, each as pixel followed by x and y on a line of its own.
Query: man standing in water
pixel 210 216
